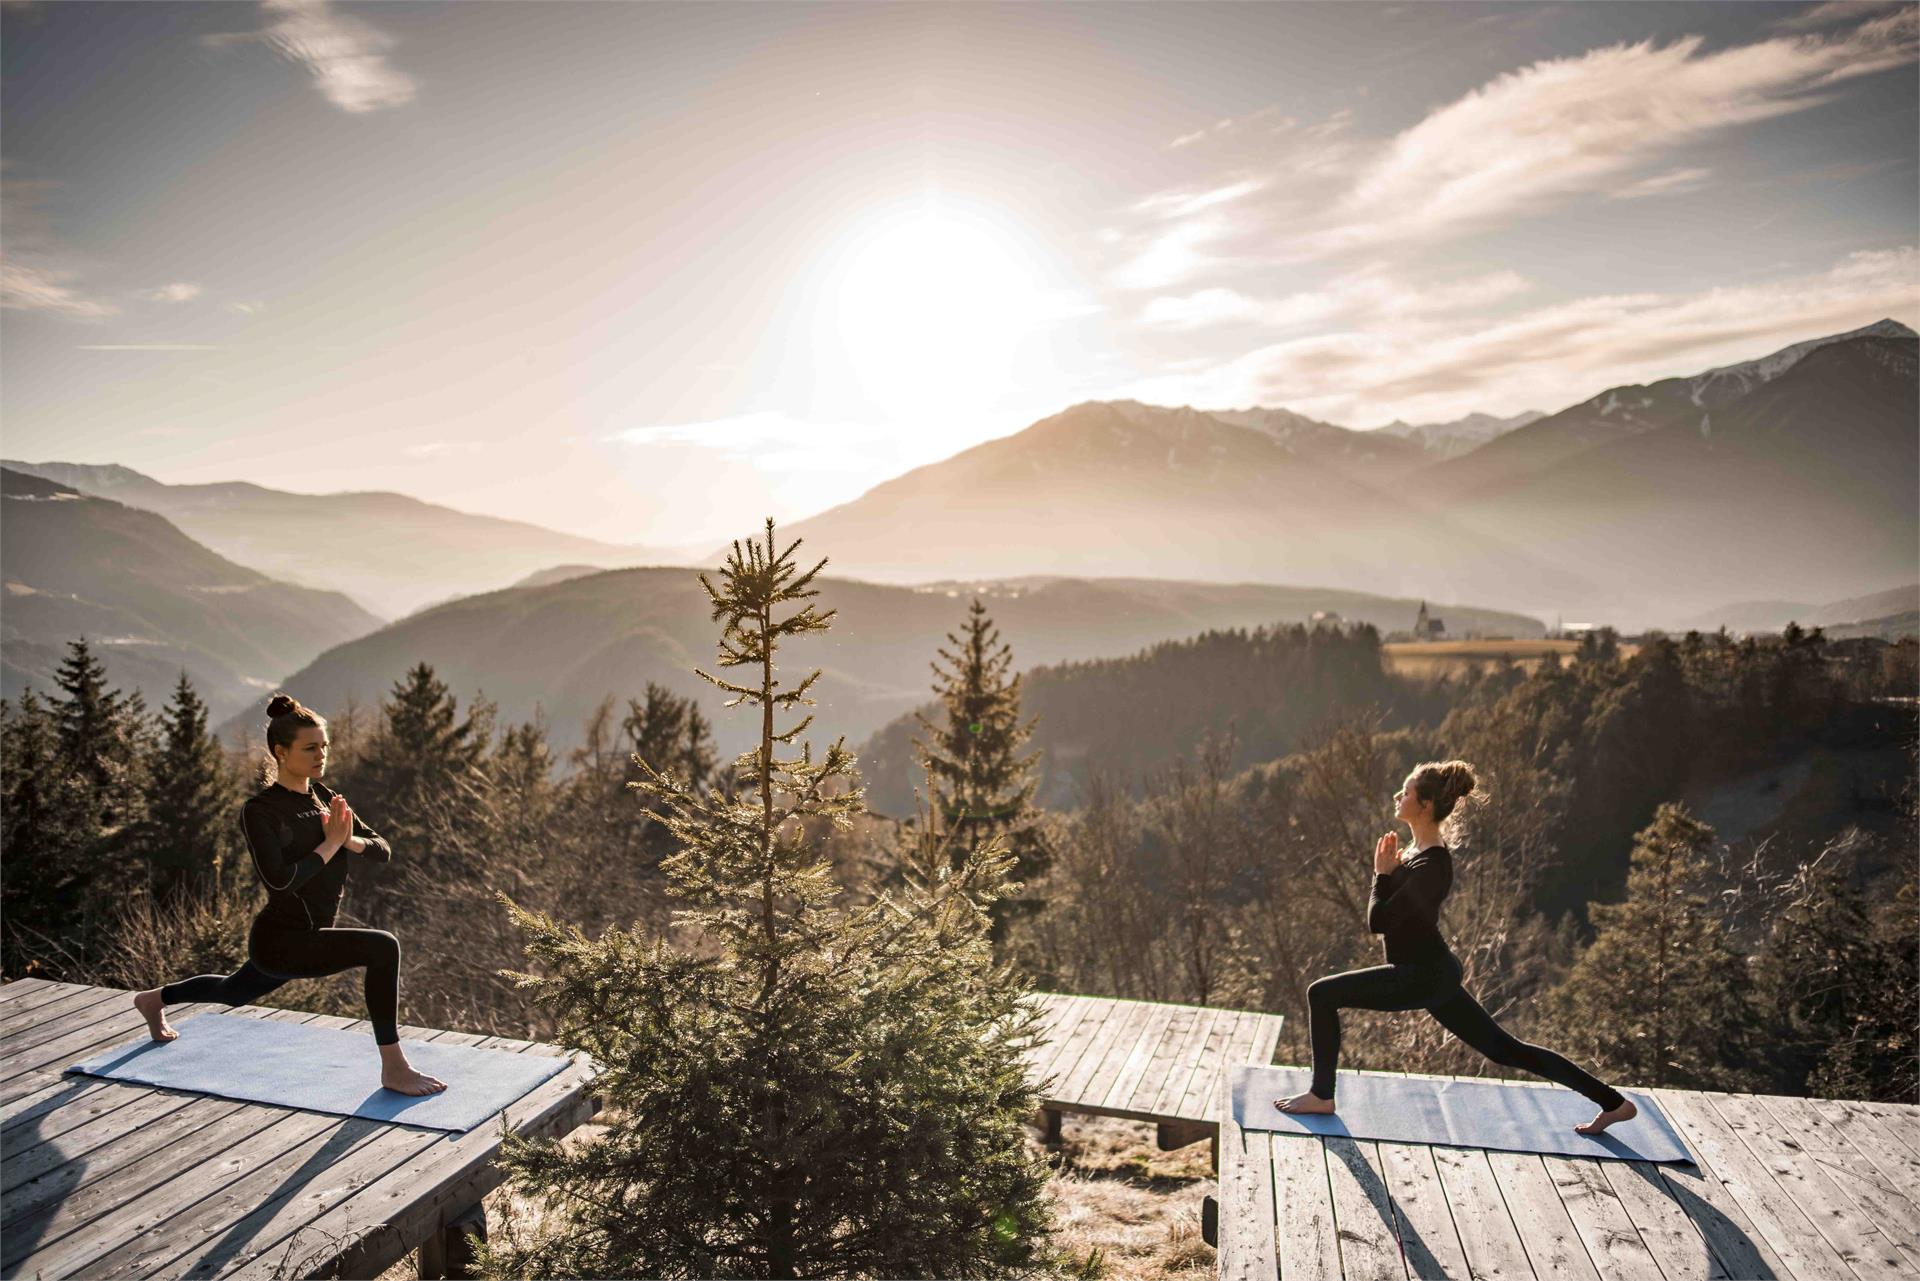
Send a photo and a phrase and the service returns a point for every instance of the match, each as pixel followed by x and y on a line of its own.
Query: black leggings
pixel 276 955
pixel 1434 987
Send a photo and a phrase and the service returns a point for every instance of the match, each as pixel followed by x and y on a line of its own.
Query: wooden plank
pixel 1894 1159
pixel 1428 1239
pixel 1202 1091
pixel 1238 1050
pixel 1119 1018
pixel 1621 1244
pixel 381 1220
pixel 1875 1173
pixel 1073 1048
pixel 1773 1213
pixel 1128 1077
pixel 61 1102
pixel 1268 1041
pixel 24 990
pixel 1586 1199
pixel 205 1230
pixel 1672 1237
pixel 1153 1078
pixel 1488 1236
pixel 1362 1212
pixel 1853 1235
pixel 1303 1208
pixel 19 1020
pixel 58 1089
pixel 96 1200
pixel 1247 1250
pixel 1180 1066
pixel 1895 1120
pixel 1048 1007
pixel 1120 1051
pixel 1735 1246
pixel 144 1124
pixel 141 1215
pixel 1066 1016
pixel 25 993
pixel 32 1046
pixel 50 1059
pixel 1554 1245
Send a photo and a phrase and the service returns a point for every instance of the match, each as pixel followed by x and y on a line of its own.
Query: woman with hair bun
pixel 1421 970
pixel 296 829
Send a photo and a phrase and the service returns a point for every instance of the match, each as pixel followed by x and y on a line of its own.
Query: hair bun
pixel 1460 779
pixel 282 704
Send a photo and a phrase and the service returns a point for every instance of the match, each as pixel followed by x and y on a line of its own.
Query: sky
pixel 652 272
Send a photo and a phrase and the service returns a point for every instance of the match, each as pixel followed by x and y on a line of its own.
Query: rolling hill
pixel 150 601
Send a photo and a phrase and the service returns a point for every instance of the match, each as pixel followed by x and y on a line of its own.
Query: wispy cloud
pixel 1605 123
pixel 1833 13
pixel 26 287
pixel 178 291
pixel 776 441
pixel 1662 184
pixel 1568 127
pixel 148 346
pixel 38 272
pixel 347 57
pixel 1436 367
pixel 1372 295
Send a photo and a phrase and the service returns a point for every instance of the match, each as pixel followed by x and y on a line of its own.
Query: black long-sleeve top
pixel 284 828
pixel 1404 906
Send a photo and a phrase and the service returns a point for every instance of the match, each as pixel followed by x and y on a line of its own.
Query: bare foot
pixel 1625 1112
pixel 148 1003
pixel 1306 1102
pixel 407 1081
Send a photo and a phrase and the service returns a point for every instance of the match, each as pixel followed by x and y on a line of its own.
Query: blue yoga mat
pixel 1461 1114
pixel 324 1069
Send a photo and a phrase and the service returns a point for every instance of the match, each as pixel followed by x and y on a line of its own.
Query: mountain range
pixel 558 648
pixel 1795 474
pixel 390 552
pixel 150 601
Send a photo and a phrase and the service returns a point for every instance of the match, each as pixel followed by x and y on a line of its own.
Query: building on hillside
pixel 1325 617
pixel 1426 627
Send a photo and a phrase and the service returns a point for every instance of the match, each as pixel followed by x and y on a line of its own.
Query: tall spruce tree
pixel 979 788
pixel 420 746
pixel 187 833
pixel 1817 967
pixel 48 825
pixel 807 1089
pixel 1661 996
pixel 106 743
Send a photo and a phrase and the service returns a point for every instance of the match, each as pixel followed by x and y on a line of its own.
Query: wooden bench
pixel 1143 1060
pixel 1784 1187
pixel 102 1178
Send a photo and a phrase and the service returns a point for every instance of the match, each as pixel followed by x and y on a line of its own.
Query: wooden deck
pixel 1799 1189
pixel 103 1178
pixel 1144 1060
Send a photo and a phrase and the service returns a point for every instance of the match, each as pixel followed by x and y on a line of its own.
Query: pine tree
pixel 105 743
pixel 48 826
pixel 806 1090
pixel 1661 996
pixel 187 833
pixel 419 748
pixel 1817 967
pixel 979 788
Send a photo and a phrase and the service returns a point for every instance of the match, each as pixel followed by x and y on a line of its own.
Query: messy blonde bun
pixel 1444 784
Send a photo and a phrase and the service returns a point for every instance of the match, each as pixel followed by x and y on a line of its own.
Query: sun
pixel 929 305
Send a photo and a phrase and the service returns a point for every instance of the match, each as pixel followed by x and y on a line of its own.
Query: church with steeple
pixel 1427 628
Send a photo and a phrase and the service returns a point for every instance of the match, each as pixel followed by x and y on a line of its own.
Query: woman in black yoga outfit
pixel 296 828
pixel 1421 970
